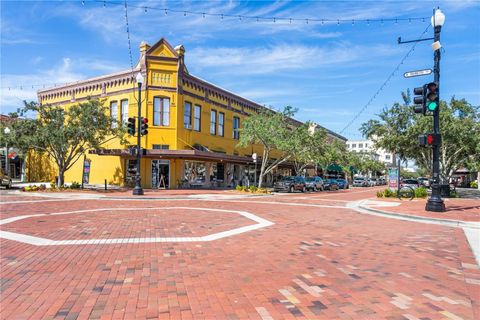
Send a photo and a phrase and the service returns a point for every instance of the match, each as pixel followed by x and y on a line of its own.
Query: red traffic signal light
pixel 131 126
pixel 143 126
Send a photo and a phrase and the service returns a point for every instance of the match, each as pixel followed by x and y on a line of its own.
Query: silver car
pixel 314 183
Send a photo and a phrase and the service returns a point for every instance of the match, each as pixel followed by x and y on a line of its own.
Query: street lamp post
pixel 138 191
pixel 435 202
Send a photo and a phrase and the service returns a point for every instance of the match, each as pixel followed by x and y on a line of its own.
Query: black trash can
pixel 445 190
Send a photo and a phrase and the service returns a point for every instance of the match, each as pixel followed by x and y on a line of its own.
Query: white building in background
pixel 367 146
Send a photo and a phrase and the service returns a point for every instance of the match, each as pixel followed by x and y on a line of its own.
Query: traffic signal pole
pixel 138 191
pixel 435 202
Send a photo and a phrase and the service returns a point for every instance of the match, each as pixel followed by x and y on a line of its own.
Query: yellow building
pixel 193 125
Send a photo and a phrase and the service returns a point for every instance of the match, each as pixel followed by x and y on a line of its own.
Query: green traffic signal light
pixel 432 106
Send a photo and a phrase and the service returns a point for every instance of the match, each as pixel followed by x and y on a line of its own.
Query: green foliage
pixel 239 188
pixel 421 192
pixel 409 175
pixel 65 134
pixel 75 185
pixel 380 194
pixel 474 184
pixel 307 145
pixel 387 193
pixel 252 189
pixel 272 130
pixel 397 131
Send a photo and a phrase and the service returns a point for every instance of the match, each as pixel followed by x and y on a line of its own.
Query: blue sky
pixel 328 71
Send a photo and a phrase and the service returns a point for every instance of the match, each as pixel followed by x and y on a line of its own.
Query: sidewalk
pixel 457 209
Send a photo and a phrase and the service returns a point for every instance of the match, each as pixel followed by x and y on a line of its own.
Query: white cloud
pixel 283 57
pixel 16 88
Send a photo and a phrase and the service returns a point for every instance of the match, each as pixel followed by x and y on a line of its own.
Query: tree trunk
pixel 262 168
pixel 61 178
pixel 478 180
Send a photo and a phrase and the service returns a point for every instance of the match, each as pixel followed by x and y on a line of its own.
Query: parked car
pixel 290 184
pixel 424 182
pixel 314 183
pixel 360 182
pixel 372 182
pixel 410 183
pixel 6 181
pixel 330 184
pixel 343 184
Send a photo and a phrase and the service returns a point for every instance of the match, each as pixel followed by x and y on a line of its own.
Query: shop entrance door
pixel 160 174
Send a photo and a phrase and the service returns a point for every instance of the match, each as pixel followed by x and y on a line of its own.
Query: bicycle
pixel 406 192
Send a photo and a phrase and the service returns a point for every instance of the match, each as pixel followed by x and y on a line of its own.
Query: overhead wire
pixel 384 84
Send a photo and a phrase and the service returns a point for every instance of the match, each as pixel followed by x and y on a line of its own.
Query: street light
pixel 138 191
pixel 435 202
pixel 7 167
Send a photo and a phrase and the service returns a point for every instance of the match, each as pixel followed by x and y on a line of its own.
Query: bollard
pixel 105 184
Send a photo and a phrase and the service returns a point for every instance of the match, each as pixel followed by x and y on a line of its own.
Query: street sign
pixel 254 157
pixel 417 73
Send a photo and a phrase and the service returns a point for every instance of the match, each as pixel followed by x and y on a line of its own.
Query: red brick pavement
pixel 313 263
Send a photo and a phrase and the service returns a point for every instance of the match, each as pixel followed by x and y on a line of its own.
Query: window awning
pixel 177 154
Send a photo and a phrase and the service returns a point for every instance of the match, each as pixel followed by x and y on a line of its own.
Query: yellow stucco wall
pixel 160 65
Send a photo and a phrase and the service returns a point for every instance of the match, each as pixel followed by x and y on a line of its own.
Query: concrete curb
pixel 445 222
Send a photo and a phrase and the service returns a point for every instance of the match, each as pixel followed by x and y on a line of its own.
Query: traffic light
pixel 143 126
pixel 419 99
pixel 429 139
pixel 131 126
pixel 431 102
pixel 426 99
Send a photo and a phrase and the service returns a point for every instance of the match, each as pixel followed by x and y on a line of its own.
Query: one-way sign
pixel 417 73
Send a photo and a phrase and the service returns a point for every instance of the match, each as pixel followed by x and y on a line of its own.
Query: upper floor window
pixel 161 111
pixel 387 157
pixel 221 123
pixel 187 115
pixel 197 114
pixel 360 145
pixel 114 113
pixel 236 128
pixel 161 146
pixel 354 145
pixel 124 111
pixel 213 122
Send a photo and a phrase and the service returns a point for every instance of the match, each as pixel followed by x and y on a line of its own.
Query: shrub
pixel 474 184
pixel 52 184
pixel 380 194
pixel 421 192
pixel 387 193
pixel 42 187
pixel 75 185
pixel 239 188
pixel 252 189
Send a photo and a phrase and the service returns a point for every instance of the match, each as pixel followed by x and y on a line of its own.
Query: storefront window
pixel 195 172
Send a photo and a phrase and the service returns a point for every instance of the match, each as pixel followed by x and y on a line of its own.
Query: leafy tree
pixel 307 146
pixel 66 133
pixel 272 131
pixel 398 128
